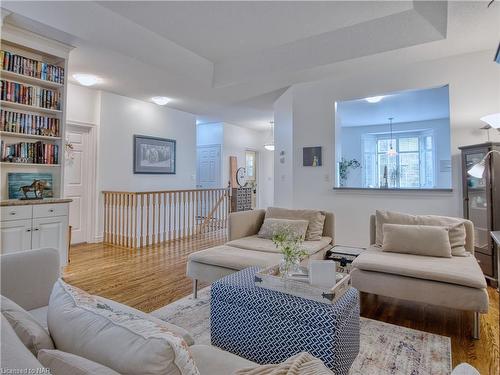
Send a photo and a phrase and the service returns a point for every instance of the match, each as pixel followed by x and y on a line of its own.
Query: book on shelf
pixel 15 63
pixel 27 123
pixel 30 152
pixel 30 95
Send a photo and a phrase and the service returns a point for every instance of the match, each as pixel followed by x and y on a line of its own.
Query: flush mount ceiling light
pixel 86 79
pixel 160 100
pixel 374 99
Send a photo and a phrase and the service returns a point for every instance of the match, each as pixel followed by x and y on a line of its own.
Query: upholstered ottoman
pixel 265 326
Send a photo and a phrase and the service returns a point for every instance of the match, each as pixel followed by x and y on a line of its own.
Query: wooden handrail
pixel 143 218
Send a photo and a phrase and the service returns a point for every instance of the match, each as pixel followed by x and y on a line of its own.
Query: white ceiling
pixel 406 106
pixel 229 61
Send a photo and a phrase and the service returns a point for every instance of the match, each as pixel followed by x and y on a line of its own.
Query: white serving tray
pixel 270 278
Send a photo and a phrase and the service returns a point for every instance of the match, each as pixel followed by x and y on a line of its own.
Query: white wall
pixel 283 154
pixel 352 147
pixel 121 119
pixel 209 134
pixel 474 81
pixel 83 104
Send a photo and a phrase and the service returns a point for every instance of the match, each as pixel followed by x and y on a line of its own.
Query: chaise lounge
pixel 246 249
pixel 456 282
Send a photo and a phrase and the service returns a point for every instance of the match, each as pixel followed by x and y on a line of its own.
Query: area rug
pixel 385 348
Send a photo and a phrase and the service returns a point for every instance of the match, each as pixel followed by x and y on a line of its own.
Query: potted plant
pixel 290 246
pixel 344 166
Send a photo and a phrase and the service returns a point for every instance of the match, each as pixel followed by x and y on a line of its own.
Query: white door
pixel 208 171
pixel 76 182
pixel 51 232
pixel 15 236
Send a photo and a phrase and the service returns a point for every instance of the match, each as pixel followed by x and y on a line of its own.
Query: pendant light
pixel 392 151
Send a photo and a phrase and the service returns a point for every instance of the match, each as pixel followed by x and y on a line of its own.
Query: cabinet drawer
pixel 486 263
pixel 49 210
pixel 9 213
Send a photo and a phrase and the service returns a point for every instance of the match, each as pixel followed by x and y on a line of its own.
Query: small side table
pixel 343 256
pixel 496 237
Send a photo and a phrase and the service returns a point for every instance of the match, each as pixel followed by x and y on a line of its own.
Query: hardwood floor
pixel 154 277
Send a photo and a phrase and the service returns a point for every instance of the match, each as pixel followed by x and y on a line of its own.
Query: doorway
pixel 79 180
pixel 208 174
pixel 251 172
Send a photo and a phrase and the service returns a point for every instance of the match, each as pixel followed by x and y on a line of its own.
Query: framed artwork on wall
pixel 154 155
pixel 311 156
pixel 24 185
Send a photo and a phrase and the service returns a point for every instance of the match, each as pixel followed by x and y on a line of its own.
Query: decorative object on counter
pixel 30 185
pixel 344 167
pixel 343 256
pixel 290 246
pixel 241 199
pixel 154 155
pixel 311 156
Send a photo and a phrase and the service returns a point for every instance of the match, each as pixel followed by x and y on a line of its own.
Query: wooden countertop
pixel 27 202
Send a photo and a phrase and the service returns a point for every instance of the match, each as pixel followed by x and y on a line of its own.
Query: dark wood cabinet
pixel 482 202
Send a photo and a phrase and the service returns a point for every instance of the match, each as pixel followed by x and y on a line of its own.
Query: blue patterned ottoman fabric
pixel 265 326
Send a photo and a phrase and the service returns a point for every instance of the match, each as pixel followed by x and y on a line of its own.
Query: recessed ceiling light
pixel 374 99
pixel 160 100
pixel 86 79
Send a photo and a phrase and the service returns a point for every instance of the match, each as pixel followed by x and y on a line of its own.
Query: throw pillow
pixel 270 227
pixel 457 233
pixel 80 324
pixel 30 332
pixel 427 240
pixel 315 218
pixel 62 363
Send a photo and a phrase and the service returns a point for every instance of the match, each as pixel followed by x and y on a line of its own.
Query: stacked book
pixel 30 67
pixel 30 95
pixel 27 123
pixel 25 152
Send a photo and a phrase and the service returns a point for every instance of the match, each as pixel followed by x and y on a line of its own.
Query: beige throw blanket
pixel 299 364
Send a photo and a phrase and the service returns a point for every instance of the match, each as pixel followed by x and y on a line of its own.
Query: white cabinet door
pixel 51 232
pixel 15 236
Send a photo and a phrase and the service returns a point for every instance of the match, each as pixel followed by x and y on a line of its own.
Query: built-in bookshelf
pixel 32 106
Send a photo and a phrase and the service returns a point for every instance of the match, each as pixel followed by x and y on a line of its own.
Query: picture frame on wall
pixel 153 155
pixel 311 156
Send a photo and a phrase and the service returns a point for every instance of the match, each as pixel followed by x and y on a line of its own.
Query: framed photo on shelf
pixel 154 155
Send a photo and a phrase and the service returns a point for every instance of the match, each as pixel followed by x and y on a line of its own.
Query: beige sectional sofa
pixel 245 249
pixel 456 282
pixel 28 278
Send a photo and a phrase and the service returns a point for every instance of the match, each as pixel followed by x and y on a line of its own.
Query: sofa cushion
pixel 62 363
pixel 455 270
pixel 315 218
pixel 261 244
pixel 457 232
pixel 27 328
pixel 295 228
pixel 425 240
pixel 40 315
pixel 214 361
pixel 81 324
pixel 14 355
pixel 117 306
pixel 235 258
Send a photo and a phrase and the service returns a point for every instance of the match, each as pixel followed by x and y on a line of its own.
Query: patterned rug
pixel 385 348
